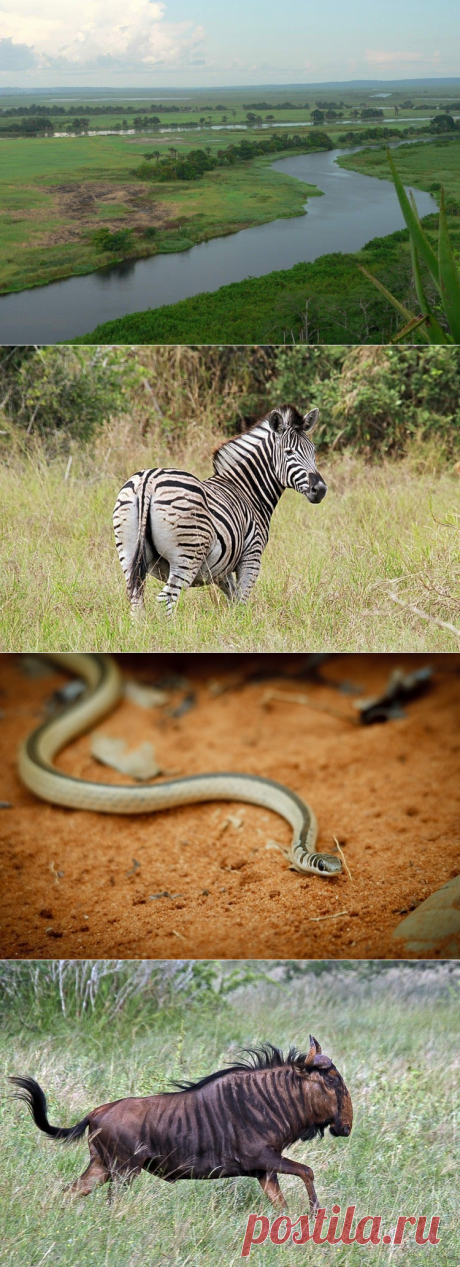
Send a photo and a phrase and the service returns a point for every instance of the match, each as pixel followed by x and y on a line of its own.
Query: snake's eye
pixel 322 866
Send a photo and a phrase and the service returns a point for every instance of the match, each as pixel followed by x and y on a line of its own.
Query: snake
pixel 103 690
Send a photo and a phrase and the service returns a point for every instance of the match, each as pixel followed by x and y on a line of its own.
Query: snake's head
pixel 327 864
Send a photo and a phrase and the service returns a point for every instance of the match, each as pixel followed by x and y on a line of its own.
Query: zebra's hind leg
pixel 228 586
pixel 181 576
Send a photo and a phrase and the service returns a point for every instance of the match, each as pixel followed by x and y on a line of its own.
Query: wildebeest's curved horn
pixel 322 1062
pixel 311 1053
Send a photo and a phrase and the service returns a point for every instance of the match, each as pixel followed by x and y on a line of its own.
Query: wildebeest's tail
pixel 35 1099
pixel 138 569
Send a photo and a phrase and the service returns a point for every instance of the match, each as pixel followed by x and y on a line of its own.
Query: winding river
pixel 352 210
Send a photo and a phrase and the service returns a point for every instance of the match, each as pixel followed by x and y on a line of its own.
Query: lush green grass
pixel 393 1038
pixel 342 305
pixel 36 218
pixel 427 165
pixel 326 574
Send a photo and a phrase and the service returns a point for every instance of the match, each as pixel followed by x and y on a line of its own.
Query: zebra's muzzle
pixel 316 489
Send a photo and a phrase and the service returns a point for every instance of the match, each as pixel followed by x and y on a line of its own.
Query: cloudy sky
pixel 199 43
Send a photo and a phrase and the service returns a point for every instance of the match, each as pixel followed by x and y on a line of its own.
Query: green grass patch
pixel 427 165
pixel 389 1034
pixel 325 582
pixel 66 186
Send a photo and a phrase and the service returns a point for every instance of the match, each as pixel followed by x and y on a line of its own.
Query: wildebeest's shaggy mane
pixel 265 1057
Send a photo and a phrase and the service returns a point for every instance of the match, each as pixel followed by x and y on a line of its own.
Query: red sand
pixel 390 793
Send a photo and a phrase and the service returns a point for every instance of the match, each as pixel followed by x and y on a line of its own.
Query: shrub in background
pixel 64 392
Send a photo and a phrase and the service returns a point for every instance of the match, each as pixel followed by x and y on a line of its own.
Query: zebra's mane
pixel 237 445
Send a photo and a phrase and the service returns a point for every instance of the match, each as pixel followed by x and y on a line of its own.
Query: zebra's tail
pixel 138 569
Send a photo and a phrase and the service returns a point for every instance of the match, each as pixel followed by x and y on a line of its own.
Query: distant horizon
pixel 145 90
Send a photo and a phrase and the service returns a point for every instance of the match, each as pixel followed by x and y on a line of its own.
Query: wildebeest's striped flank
pixel 187 531
pixel 236 1121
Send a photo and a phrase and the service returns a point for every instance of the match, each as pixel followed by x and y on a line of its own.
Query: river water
pixel 352 210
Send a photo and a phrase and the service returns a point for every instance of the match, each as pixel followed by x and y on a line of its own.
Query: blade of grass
pixel 407 329
pixel 408 316
pixel 435 332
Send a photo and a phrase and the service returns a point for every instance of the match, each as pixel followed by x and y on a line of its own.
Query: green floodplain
pixel 58 192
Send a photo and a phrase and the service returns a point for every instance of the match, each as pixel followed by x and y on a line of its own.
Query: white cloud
pixel 378 57
pixel 95 32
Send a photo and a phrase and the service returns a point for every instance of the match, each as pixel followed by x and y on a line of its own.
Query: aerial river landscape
pixel 352 209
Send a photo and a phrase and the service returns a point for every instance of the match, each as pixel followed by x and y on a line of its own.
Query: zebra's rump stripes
pixel 187 531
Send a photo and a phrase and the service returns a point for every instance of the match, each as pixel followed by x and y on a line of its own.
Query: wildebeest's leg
pixel 270 1185
pixel 95 1174
pixel 305 1173
pixel 274 1163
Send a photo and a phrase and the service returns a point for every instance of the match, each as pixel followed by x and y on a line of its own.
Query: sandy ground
pixel 79 884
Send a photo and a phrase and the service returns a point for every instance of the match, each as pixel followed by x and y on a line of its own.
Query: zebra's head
pixel 294 451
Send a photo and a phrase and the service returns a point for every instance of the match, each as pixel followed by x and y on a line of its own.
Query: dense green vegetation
pixel 374 401
pixel 389 1033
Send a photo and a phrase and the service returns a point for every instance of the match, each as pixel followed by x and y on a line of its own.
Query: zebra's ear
pixel 276 421
pixel 309 420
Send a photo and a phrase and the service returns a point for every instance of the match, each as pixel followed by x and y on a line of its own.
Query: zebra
pixel 186 531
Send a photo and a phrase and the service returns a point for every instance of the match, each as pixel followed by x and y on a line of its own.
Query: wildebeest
pixel 233 1122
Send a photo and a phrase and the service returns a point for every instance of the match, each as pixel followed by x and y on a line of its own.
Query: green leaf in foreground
pixel 413 224
pixel 443 271
pixel 448 275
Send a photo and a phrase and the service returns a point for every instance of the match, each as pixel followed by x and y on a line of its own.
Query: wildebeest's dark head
pixel 328 1096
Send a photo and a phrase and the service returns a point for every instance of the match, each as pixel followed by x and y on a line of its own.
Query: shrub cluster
pixel 119 240
pixel 192 166
pixel 376 399
pixel 373 400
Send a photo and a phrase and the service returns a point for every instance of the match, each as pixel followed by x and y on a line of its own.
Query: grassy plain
pixel 428 165
pixel 326 579
pixel 389 1036
pixel 342 305
pixel 55 192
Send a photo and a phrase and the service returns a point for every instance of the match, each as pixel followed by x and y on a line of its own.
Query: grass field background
pixel 327 573
pixel 392 1035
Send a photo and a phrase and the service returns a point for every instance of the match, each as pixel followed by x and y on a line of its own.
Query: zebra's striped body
pixel 187 531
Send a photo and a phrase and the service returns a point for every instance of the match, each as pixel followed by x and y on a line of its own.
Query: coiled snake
pixel 104 681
